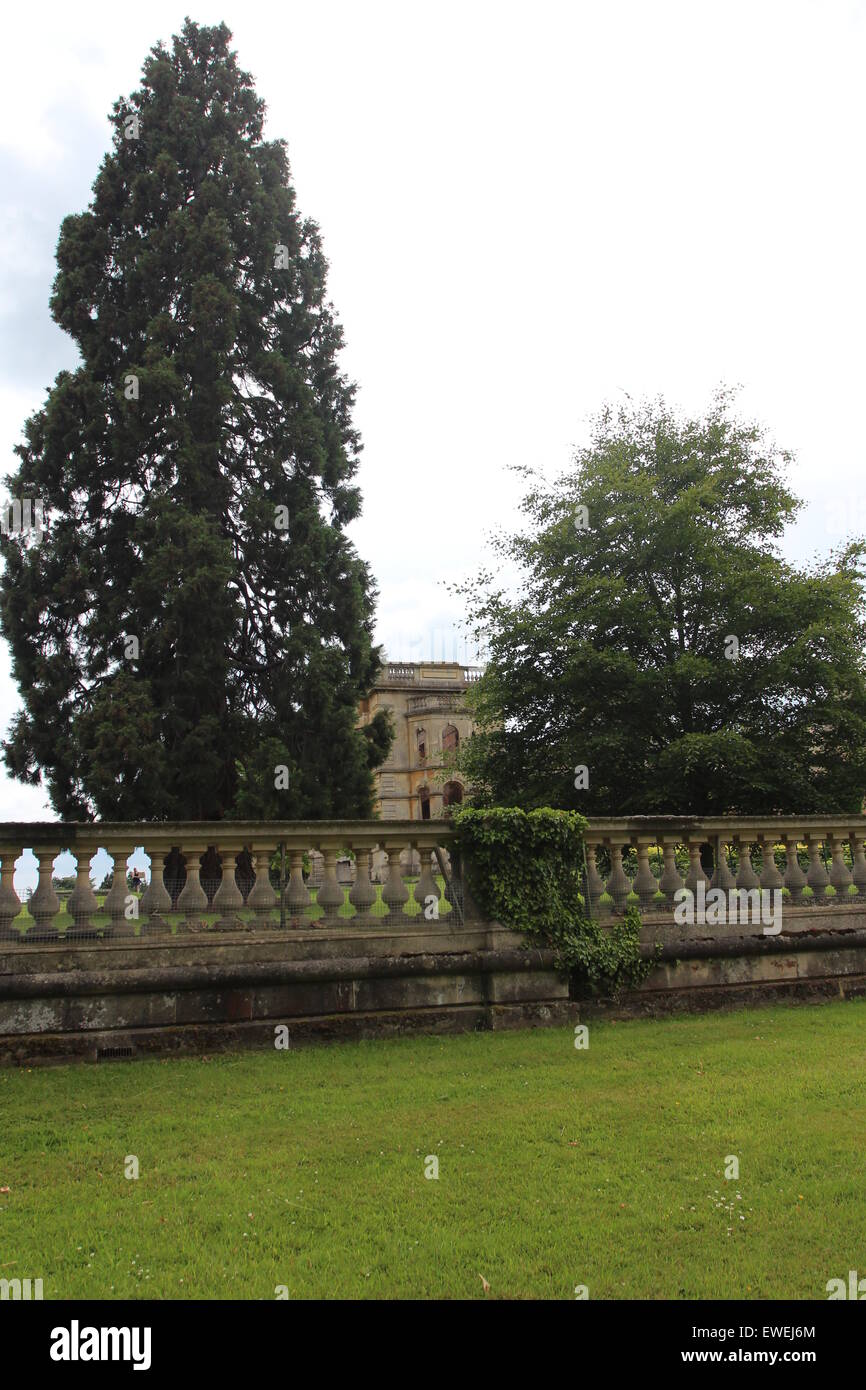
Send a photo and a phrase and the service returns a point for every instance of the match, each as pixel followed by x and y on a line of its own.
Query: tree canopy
pixel 658 640
pixel 194 618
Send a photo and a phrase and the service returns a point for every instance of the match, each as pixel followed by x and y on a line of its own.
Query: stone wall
pixel 819 955
pixel 97 1001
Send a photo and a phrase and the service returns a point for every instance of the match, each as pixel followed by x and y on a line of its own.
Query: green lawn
pixel 558 1167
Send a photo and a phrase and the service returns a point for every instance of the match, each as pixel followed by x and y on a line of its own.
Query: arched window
pixel 452 794
pixel 424 800
pixel 421 742
pixel 450 739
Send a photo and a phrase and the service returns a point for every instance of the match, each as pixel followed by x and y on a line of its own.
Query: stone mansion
pixel 426 703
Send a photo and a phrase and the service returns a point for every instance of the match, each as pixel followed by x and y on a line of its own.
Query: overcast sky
pixel 527 208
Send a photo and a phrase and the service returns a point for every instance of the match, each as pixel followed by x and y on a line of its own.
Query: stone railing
pixel 391 874
pixel 218 877
pixel 410 673
pixel 743 855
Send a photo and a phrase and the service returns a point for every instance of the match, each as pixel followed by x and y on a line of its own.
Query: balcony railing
pixel 409 673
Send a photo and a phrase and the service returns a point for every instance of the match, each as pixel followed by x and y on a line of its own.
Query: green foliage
pixel 607 959
pixel 613 653
pixel 524 869
pixel 192 272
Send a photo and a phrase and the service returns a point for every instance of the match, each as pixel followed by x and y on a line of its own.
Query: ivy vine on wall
pixel 524 870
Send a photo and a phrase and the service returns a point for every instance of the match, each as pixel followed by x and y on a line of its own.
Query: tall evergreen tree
pixel 193 633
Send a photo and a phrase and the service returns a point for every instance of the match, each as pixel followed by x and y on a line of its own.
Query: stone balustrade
pixel 216 877
pixel 668 853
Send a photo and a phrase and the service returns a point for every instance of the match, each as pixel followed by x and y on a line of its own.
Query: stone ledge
pixel 36 1049
pixel 214 973
pixel 706 998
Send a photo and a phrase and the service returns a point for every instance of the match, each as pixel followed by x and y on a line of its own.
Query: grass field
pixel 601 1167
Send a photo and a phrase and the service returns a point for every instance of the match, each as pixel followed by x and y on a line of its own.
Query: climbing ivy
pixel 524 870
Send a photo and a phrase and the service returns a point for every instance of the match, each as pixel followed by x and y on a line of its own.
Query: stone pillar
pixel 262 898
pixel 645 882
pixel 394 893
pixel 427 888
pixel 330 896
pixel 746 876
pixel 298 899
pixel 10 903
pixel 83 903
pixel 115 903
pixel 670 881
pixel 696 873
pixel 362 894
pixel 795 879
pixel 45 904
pixel 594 881
pixel 817 877
pixel 770 877
pixel 722 877
pixel 228 898
pixel 156 899
pixel 618 885
pixel 840 874
pixel 193 899
pixel 859 857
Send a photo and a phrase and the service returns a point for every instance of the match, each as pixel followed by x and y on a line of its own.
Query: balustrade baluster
pixel 330 896
pixel 45 904
pixel 298 898
pixel 262 899
pixel 618 884
pixel 156 900
pixel 722 876
pixel 427 890
pixel 795 879
pixel 859 856
pixel 840 874
pixel 193 899
pixel 670 881
pixel 771 878
pixel 817 877
pixel 747 879
pixel 362 894
pixel 10 903
pixel 645 880
pixel 83 903
pixel 119 901
pixel 394 891
pixel 228 899
pixel 696 873
pixel 594 880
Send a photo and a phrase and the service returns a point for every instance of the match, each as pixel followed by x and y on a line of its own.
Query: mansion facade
pixel 425 699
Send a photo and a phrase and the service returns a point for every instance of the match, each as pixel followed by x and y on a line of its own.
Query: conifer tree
pixel 192 633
